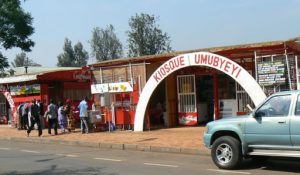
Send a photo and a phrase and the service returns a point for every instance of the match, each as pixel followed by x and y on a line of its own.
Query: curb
pixel 115 146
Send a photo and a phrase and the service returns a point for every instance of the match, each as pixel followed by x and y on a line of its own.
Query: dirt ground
pixel 183 137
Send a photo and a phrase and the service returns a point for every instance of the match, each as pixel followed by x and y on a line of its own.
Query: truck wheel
pixel 226 152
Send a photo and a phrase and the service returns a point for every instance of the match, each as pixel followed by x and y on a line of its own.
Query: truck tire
pixel 226 152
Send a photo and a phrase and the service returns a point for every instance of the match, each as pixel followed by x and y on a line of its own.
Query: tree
pixel 81 55
pixel 145 37
pixel 76 57
pixel 15 28
pixel 105 44
pixel 22 60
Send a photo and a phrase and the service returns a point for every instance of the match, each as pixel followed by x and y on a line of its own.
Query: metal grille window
pixel 186 93
pixel 242 99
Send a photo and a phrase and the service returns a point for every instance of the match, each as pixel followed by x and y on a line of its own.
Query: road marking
pixel 29 151
pixel 70 155
pixel 164 165
pixel 67 155
pixel 113 160
pixel 4 148
pixel 227 171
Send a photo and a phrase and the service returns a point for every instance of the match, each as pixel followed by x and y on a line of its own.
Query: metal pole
pixel 131 77
pixel 255 62
pixel 297 72
pixel 101 76
pixel 288 69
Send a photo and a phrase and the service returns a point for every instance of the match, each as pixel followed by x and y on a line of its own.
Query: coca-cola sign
pixel 82 75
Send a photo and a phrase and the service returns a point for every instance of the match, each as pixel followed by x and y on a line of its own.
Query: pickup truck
pixel 272 129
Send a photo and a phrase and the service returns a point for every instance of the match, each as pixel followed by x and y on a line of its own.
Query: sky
pixel 191 24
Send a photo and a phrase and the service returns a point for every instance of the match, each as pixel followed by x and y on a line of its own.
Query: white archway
pixel 221 63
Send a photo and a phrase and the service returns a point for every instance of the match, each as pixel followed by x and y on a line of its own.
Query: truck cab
pixel 272 129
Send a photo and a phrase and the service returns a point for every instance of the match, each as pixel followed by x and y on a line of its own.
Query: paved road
pixel 31 158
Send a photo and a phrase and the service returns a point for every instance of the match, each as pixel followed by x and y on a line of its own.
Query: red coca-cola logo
pixel 82 75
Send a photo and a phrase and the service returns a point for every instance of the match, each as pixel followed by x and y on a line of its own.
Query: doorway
pixel 205 98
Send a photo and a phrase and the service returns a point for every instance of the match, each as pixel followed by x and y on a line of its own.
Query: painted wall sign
pixel 9 99
pixel 111 88
pixel 218 62
pixel 25 89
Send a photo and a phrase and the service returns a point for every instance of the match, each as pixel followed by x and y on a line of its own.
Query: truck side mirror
pixel 259 114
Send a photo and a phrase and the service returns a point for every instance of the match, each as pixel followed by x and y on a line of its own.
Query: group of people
pixel 31 114
pixel 24 112
pixel 61 115
pixel 56 115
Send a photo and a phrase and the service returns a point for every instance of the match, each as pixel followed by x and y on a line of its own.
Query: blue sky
pixel 191 24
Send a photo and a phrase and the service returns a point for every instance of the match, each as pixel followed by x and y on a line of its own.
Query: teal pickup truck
pixel 272 129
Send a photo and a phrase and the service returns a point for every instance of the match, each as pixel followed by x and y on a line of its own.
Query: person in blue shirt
pixel 83 114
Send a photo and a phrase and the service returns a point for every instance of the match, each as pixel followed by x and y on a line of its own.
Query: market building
pixel 42 84
pixel 192 87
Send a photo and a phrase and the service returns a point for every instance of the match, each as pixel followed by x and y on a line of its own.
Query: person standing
pixel 35 118
pixel 70 117
pixel 24 117
pixel 62 118
pixel 41 112
pixel 83 114
pixel 52 117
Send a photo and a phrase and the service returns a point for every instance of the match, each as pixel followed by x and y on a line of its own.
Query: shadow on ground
pixel 55 170
pixel 291 165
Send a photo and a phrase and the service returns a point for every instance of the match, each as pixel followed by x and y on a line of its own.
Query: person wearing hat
pixel 34 118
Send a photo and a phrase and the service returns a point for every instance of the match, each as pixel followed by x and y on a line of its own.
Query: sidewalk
pixel 187 140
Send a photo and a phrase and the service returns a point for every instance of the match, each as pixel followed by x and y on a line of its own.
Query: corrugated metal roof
pixel 37 70
pixel 33 73
pixel 294 41
pixel 20 78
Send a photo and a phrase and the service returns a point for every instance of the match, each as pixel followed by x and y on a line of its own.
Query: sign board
pixel 223 64
pixel 25 89
pixel 82 75
pixel 271 73
pixel 111 88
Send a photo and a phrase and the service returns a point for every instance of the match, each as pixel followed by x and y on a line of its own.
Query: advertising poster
pixel 25 89
pixel 271 73
pixel 188 118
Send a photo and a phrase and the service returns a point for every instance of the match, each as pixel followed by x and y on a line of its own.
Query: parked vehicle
pixel 272 129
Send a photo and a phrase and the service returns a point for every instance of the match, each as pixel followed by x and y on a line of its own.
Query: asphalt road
pixel 32 158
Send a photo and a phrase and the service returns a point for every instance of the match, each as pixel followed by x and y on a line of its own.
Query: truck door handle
pixel 281 122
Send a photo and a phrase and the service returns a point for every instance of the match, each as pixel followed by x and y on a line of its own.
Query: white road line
pixel 4 148
pixel 70 155
pixel 113 160
pixel 164 165
pixel 227 171
pixel 29 151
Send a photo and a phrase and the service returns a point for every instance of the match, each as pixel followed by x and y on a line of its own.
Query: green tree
pixel 72 57
pixel 145 37
pixel 22 60
pixel 15 28
pixel 105 44
pixel 81 55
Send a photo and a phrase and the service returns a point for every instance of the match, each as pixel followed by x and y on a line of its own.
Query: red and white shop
pixel 58 84
pixel 193 87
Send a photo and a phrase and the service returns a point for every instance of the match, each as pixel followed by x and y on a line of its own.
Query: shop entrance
pixel 195 96
pixel 205 98
pixel 218 62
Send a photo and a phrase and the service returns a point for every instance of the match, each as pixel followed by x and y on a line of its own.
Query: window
pixel 275 106
pixel 297 110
